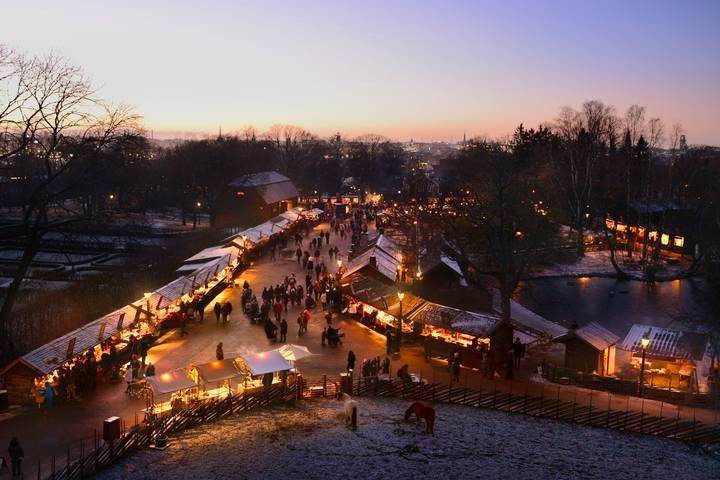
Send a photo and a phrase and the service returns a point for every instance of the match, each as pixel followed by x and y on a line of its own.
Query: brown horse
pixel 422 411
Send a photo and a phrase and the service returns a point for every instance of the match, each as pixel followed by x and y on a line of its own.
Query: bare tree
pixel 69 127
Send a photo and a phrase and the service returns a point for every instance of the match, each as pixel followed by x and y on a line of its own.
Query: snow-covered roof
pixel 386 264
pixel 217 371
pixel 292 352
pixel 432 261
pixel 593 334
pixel 260 363
pixel 313 212
pixel 164 296
pixel 53 354
pixel 172 381
pixel 379 295
pixel 462 321
pixel 258 179
pixel 529 321
pixel 666 343
pixel 275 192
pixel 212 253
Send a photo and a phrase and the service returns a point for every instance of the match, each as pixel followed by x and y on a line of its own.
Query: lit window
pixel 664 238
pixel 679 241
pixel 652 236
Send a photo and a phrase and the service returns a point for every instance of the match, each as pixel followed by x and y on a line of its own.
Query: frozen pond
pixel 614 304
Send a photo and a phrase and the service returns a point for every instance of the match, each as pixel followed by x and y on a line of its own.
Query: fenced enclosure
pixel 561 403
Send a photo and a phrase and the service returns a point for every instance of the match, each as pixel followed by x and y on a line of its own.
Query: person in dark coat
pixel 351 361
pixel 218 310
pixel 219 354
pixel 518 351
pixel 143 350
pixel 16 456
pixel 283 330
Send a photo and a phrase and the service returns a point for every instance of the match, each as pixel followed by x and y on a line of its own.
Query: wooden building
pixel 255 198
pixel 590 349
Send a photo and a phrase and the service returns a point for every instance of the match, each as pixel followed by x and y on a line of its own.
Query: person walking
pixel 278 309
pixel 300 322
pixel 351 361
pixel 323 336
pixel 283 330
pixel 219 354
pixel 16 457
pixel 518 350
pixel 226 311
pixel 143 350
pixel 298 254
pixel 49 395
pixel 218 310
pixel 456 367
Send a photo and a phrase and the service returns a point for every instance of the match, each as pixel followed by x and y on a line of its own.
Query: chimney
pixel 373 262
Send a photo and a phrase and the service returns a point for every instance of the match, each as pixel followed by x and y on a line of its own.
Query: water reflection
pixel 615 304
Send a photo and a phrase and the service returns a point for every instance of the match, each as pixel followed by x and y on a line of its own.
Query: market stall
pixel 172 390
pixel 217 378
pixel 445 330
pixel 674 359
pixel 263 368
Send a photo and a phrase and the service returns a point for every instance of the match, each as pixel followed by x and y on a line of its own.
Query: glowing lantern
pixel 679 241
pixel 665 239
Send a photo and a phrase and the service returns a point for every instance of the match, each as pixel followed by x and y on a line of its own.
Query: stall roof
pixel 212 253
pixel 53 354
pixel 218 370
pixel 313 212
pixel 529 321
pixel 172 381
pixel 379 295
pixel 593 334
pixel 260 363
pixel 293 353
pixel 383 243
pixel 462 321
pixel 667 343
pixel 385 263
pixel 292 215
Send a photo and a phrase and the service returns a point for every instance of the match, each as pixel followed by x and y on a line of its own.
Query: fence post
pixel 494 394
pixel 607 418
pixel 557 403
pixel 324 386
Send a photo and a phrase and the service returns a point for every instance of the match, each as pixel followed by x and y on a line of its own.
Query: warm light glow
pixel 165 377
pixel 112 196
pixel 645 341
pixel 339 262
pixel 401 295
pixel 665 239
pixel 147 295
pixel 679 241
pixel 653 235
pixel 216 364
pixel 621 227
pixel 518 233
pixel 198 204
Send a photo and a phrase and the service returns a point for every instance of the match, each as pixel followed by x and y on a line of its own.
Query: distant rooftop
pixel 259 179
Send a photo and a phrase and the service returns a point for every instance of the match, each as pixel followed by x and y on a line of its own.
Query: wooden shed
pixel 590 349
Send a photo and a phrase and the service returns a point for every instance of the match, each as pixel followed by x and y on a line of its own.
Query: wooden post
pixel 324 386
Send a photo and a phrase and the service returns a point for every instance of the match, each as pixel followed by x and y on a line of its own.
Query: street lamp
pixel 644 342
pixel 401 296
pixel 244 239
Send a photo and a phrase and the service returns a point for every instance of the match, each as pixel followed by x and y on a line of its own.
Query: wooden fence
pixel 689 431
pixel 144 433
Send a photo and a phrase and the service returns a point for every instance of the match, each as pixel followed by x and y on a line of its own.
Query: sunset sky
pixel 405 69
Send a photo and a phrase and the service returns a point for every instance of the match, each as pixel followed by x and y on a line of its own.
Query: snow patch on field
pixel 312 442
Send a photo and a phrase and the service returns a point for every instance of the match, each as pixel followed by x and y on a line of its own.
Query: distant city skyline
pixel 404 69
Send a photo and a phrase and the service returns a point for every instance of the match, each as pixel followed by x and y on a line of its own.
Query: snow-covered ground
pixel 311 442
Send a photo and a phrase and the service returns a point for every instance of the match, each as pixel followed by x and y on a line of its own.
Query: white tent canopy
pixel 172 381
pixel 261 363
pixel 293 353
pixel 217 371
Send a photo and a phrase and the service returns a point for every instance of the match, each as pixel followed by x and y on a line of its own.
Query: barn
pixel 255 198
